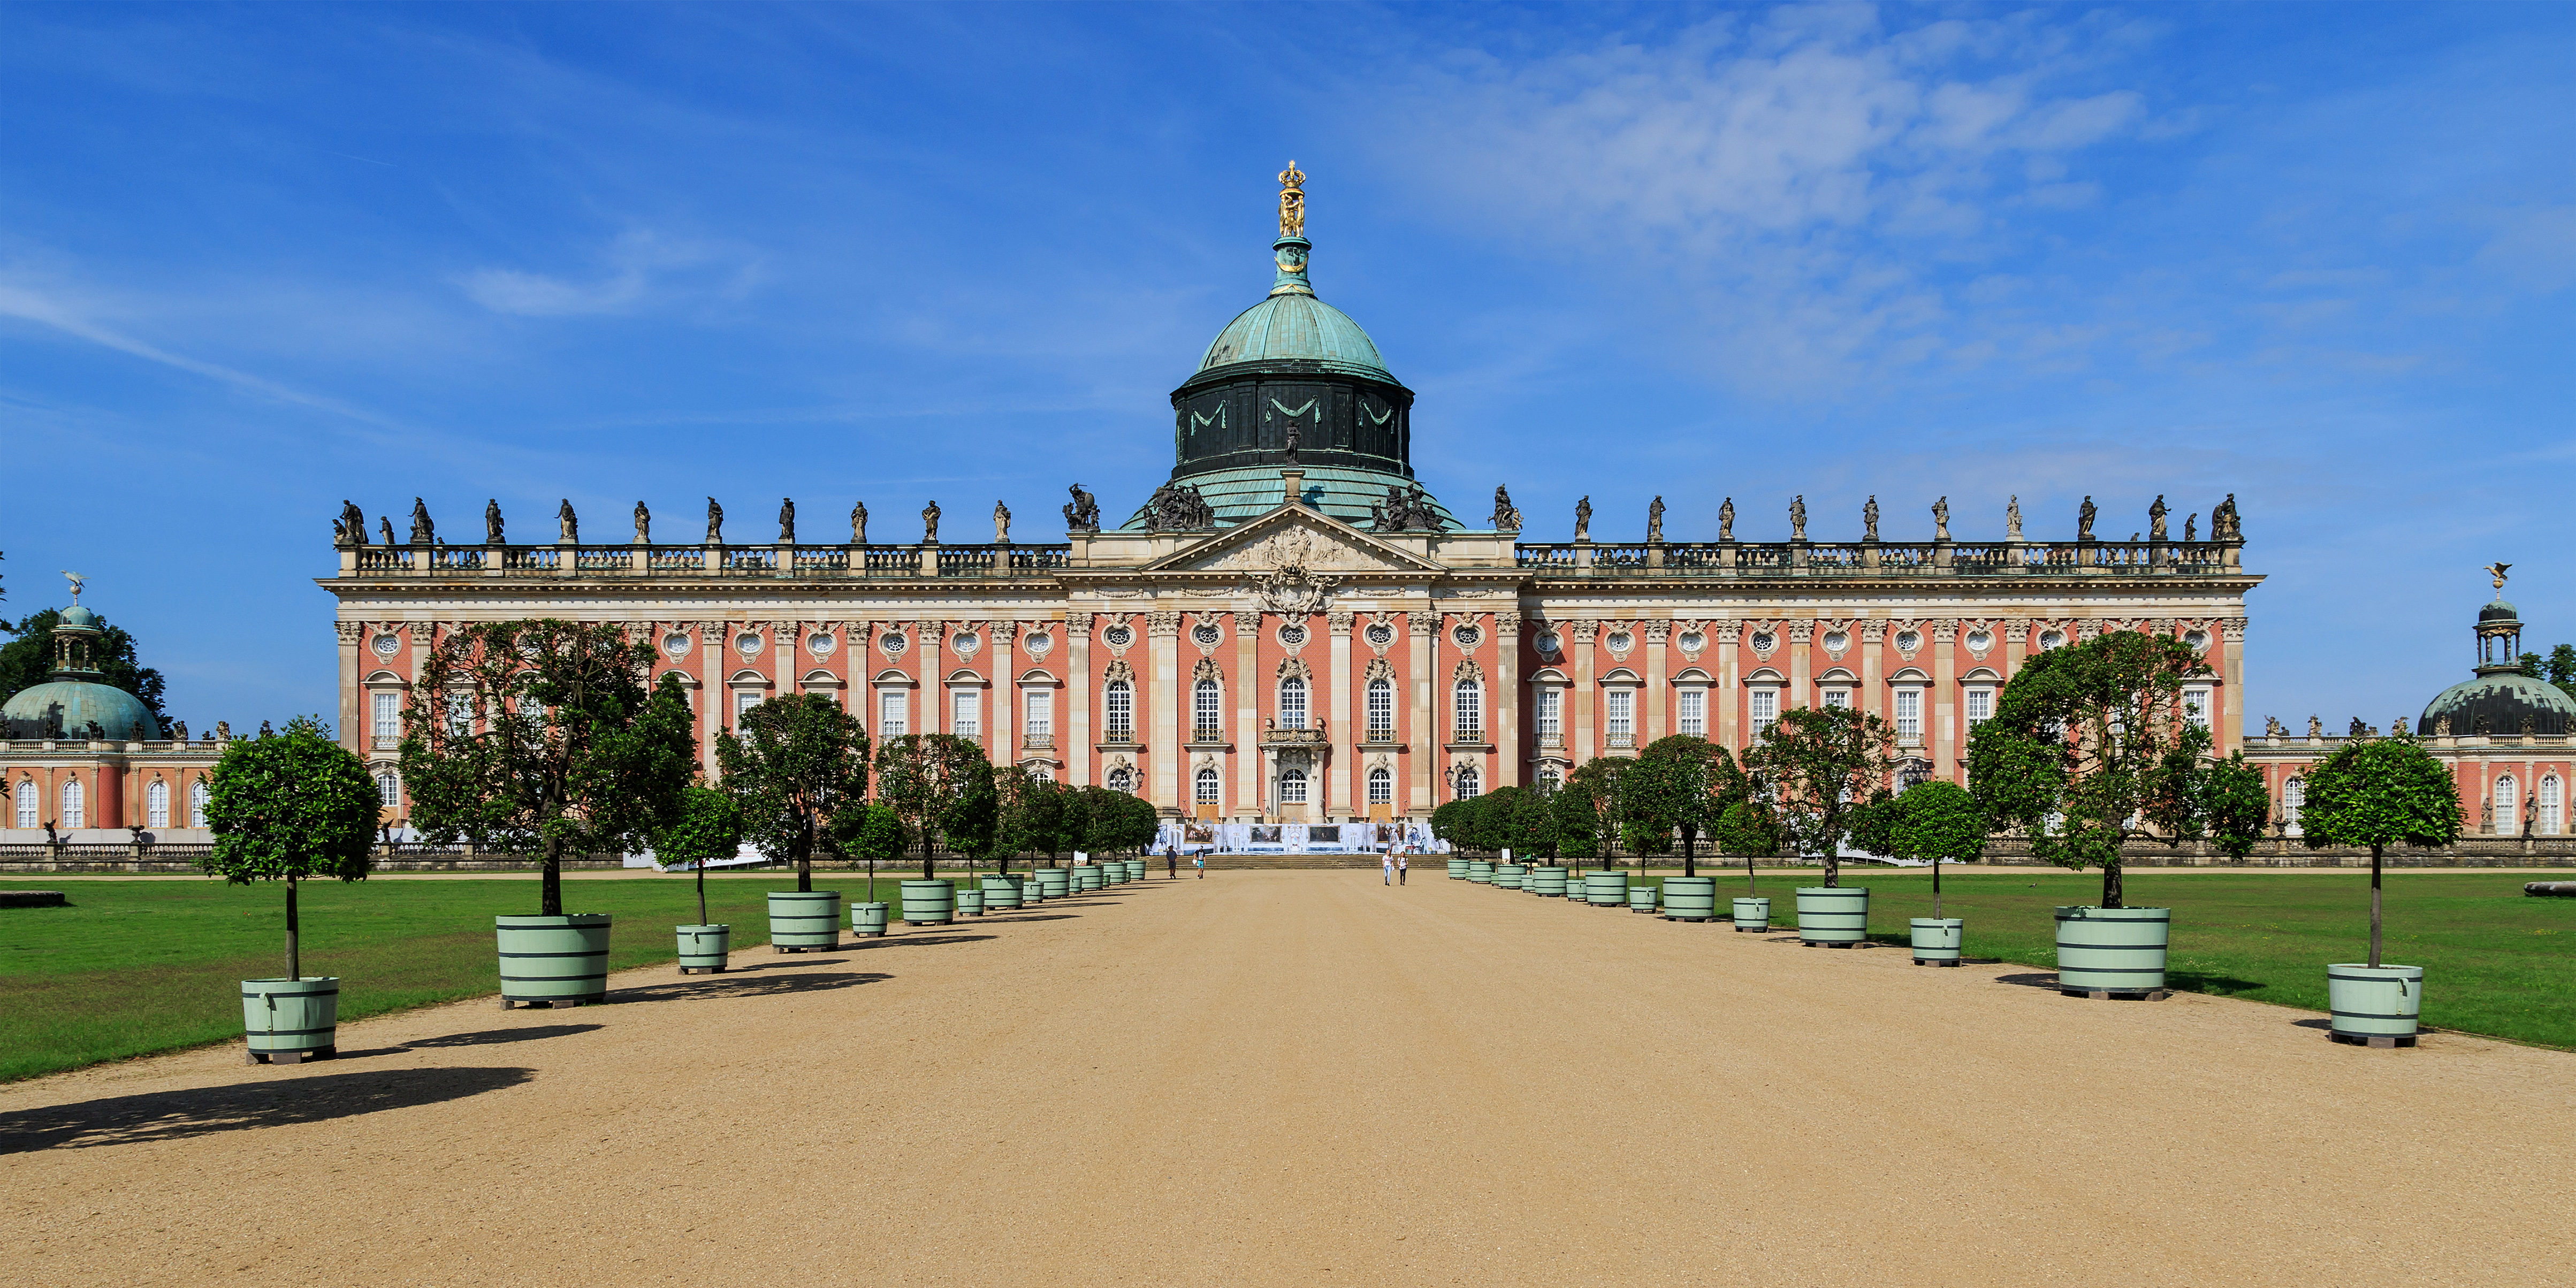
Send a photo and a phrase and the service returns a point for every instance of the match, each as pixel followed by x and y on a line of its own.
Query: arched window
pixel 156 804
pixel 1122 779
pixel 1470 783
pixel 2294 795
pixel 1292 702
pixel 1470 707
pixel 1292 787
pixel 1042 773
pixel 2508 798
pixel 1207 710
pixel 1381 786
pixel 1381 711
pixel 1203 786
pixel 75 805
pixel 388 791
pixel 1548 779
pixel 197 803
pixel 2553 805
pixel 27 804
pixel 1120 709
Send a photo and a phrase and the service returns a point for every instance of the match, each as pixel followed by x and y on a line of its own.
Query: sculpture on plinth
pixel 492 522
pixel 787 520
pixel 1798 517
pixel 643 525
pixel 1941 519
pixel 350 529
pixel 1869 519
pixel 423 532
pixel 1507 517
pixel 2084 520
pixel 1406 509
pixel 1583 519
pixel 1655 521
pixel 2224 524
pixel 930 524
pixel 715 523
pixel 1178 507
pixel 1001 524
pixel 1082 513
pixel 2012 519
pixel 385 526
pixel 858 523
pixel 2156 519
pixel 1726 520
pixel 567 524
pixel 2191 526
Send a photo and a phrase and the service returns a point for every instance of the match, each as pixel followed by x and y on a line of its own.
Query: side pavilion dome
pixel 2501 701
pixel 76 701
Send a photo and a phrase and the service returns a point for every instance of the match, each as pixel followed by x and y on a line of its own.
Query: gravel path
pixel 1307 1078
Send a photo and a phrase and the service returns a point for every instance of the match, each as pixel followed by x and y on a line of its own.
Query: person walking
pixel 1403 862
pixel 1386 865
pixel 1171 863
pixel 1200 862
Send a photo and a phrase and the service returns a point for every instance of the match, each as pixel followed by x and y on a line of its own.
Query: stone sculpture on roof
pixel 787 519
pixel 1178 507
pixel 1507 517
pixel 1082 513
pixel 1726 520
pixel 930 524
pixel 1406 509
pixel 423 532
pixel 1869 519
pixel 2084 520
pixel 643 525
pixel 492 522
pixel 858 523
pixel 567 524
pixel 715 523
pixel 1655 520
pixel 1941 519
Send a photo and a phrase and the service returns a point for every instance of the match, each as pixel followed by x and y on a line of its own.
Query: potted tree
pixel 923 777
pixel 1487 825
pixel 974 828
pixel 1030 812
pixel 1746 827
pixel 870 833
pixel 1072 822
pixel 1531 831
pixel 2379 793
pixel 2089 747
pixel 1679 787
pixel 290 807
pixel 1576 811
pixel 795 762
pixel 1813 765
pixel 1602 780
pixel 1938 821
pixel 542 735
pixel 706 827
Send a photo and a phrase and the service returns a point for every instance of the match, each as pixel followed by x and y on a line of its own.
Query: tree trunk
pixel 805 855
pixel 2111 881
pixel 1689 867
pixel 1936 887
pixel 702 892
pixel 295 956
pixel 550 897
pixel 1752 888
pixel 926 873
pixel 2374 905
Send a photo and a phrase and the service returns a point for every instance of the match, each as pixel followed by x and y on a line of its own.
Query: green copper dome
pixel 1292 326
pixel 67 708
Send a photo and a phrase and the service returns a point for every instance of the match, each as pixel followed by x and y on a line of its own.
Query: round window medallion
pixel 1039 644
pixel 1619 641
pixel 388 644
pixel 1206 634
pixel 1980 641
pixel 892 644
pixel 1763 641
pixel 820 644
pixel 2051 639
pixel 1908 641
pixel 1117 636
pixel 676 643
pixel 1548 642
pixel 965 645
pixel 1468 636
pixel 1693 641
pixel 1381 634
pixel 1836 642
pixel 1292 636
pixel 747 643
pixel 2198 640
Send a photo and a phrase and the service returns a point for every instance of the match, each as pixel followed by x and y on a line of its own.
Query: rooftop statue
pixel 2191 526
pixel 715 523
pixel 1292 201
pixel 1507 517
pixel 2084 520
pixel 567 524
pixel 930 524
pixel 1655 521
pixel 643 524
pixel 1726 520
pixel 1082 513
pixel 787 520
pixel 492 522
pixel 1798 517
pixel 2156 518
pixel 422 531
pixel 386 525
pixel 1406 509
pixel 2223 522
pixel 858 523
pixel 351 529
pixel 2012 519
pixel 2497 571
pixel 1178 507
pixel 1001 524
pixel 1583 519
pixel 1941 519
pixel 1869 520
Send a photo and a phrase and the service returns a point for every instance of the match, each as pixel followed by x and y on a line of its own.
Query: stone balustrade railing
pixel 1875 558
pixel 769 560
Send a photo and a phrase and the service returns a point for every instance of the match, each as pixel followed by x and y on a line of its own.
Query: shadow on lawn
pixel 711 987
pixel 274 1102
pixel 487 1037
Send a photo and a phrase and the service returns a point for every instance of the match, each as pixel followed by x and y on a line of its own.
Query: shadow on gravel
pixel 922 941
pixel 2192 981
pixel 2312 1024
pixel 712 987
pixel 1035 916
pixel 2047 981
pixel 488 1037
pixel 277 1102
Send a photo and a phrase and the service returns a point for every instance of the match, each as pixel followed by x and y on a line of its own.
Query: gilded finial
pixel 2496 570
pixel 1292 201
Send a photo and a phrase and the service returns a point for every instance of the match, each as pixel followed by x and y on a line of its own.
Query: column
pixel 1421 630
pixel 1504 699
pixel 1002 717
pixel 1729 699
pixel 711 693
pixel 1802 635
pixel 352 731
pixel 1077 699
pixel 2227 722
pixel 1164 630
pixel 1873 695
pixel 1248 686
pixel 1945 696
pixel 1655 633
pixel 1343 742
pixel 1579 746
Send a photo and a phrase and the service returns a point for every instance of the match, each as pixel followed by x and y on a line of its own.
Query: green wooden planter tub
pixel 1457 869
pixel 1001 892
pixel 2112 950
pixel 1936 940
pixel 1088 877
pixel 970 903
pixel 929 903
pixel 1836 915
pixel 1546 883
pixel 1480 872
pixel 802 919
pixel 553 959
pixel 2373 1005
pixel 704 948
pixel 1114 872
pixel 289 1020
pixel 1135 869
pixel 1641 898
pixel 1605 889
pixel 1508 876
pixel 1690 898
pixel 868 920
pixel 1753 915
pixel 1053 882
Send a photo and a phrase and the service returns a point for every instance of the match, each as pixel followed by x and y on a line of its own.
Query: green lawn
pixel 2495 961
pixel 138 966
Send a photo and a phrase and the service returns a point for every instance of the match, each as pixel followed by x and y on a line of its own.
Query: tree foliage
pixel 1531 828
pixel 934 780
pixel 1678 787
pixel 1937 822
pixel 290 807
pixel 792 763
pixel 2378 793
pixel 2234 805
pixel 26 660
pixel 1031 813
pixel 1811 767
pixel 1113 821
pixel 2559 668
pixel 706 826
pixel 543 735
pixel 1575 809
pixel 1747 828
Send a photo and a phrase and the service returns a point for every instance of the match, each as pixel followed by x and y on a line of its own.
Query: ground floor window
pixel 1292 787
pixel 1470 783
pixel 197 803
pixel 2552 806
pixel 75 804
pixel 1205 786
pixel 1381 787
pixel 156 804
pixel 389 791
pixel 26 803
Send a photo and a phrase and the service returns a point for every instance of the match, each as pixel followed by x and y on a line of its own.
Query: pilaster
pixel 1345 736
pixel 1164 630
pixel 1079 682
pixel 1579 745
pixel 1421 631
pixel 1503 720
pixel 1657 696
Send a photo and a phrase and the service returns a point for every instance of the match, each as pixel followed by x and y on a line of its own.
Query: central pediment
pixel 1294 537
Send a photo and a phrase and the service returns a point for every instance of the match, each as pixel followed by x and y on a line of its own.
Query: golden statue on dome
pixel 1292 201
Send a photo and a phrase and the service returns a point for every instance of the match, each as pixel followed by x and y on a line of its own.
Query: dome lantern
pixel 76 701
pixel 2503 700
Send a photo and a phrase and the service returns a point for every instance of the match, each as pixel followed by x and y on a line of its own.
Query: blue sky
pixel 257 259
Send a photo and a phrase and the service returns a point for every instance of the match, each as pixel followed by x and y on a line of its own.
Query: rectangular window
pixel 1292 787
pixel 1120 712
pixel 1694 712
pixel 894 714
pixel 26 803
pixel 1471 713
pixel 1765 708
pixel 1551 717
pixel 1207 703
pixel 1838 697
pixel 1981 705
pixel 968 717
pixel 1381 787
pixel 1292 704
pixel 388 717
pixel 75 805
pixel 2196 706
pixel 156 805
pixel 389 791
pixel 196 803
pixel 460 714
pixel 1041 723
pixel 742 705
pixel 1909 715
pixel 1381 712
pixel 1623 717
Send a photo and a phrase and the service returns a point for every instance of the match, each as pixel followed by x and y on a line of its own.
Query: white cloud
pixel 640 268
pixel 71 312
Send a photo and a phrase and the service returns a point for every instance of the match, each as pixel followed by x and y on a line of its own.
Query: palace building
pixel 1292 628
